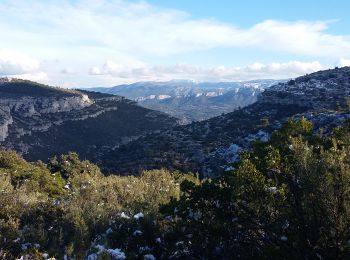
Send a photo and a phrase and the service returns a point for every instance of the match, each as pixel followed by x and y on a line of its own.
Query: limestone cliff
pixel 39 121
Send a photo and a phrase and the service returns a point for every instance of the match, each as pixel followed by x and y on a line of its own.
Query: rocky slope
pixel 40 121
pixel 209 147
pixel 191 101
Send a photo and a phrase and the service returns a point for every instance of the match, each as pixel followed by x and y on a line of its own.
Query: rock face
pixel 5 121
pixel 40 121
pixel 192 101
pixel 17 101
pixel 209 147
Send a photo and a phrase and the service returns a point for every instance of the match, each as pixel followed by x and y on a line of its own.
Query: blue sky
pixel 108 42
pixel 249 12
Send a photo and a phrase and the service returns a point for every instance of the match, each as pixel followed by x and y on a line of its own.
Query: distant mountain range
pixel 191 101
pixel 41 121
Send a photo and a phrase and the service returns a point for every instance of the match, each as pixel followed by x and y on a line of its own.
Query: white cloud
pixel 300 37
pixel 95 71
pixel 18 65
pixel 36 76
pixel 12 63
pixel 343 62
pixel 219 73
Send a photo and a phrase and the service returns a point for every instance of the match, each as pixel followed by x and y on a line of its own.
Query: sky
pixel 75 43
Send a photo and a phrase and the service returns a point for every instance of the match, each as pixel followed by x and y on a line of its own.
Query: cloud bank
pixel 15 64
pixel 76 36
pixel 343 62
pixel 12 62
pixel 219 73
pixel 140 28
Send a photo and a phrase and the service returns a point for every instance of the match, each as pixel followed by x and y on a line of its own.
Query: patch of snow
pixel 273 190
pixel 92 257
pixel 230 154
pixel 161 97
pixel 100 248
pixel 179 243
pixel 67 186
pixel 149 257
pixel 137 233
pixel 25 246
pixel 213 94
pixel 109 231
pixel 284 238
pixel 116 254
pixel 189 236
pixel 138 216
pixel 261 136
pixel 229 168
pixel 123 215
pixel 286 224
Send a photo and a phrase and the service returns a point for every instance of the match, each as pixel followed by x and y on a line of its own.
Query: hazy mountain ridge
pixel 189 100
pixel 40 121
pixel 205 146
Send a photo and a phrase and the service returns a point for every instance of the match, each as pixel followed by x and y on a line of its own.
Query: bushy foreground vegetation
pixel 288 198
pixel 68 208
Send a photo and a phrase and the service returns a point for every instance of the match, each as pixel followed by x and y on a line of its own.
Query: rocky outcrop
pixel 36 113
pixel 39 114
pixel 31 106
pixel 5 121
